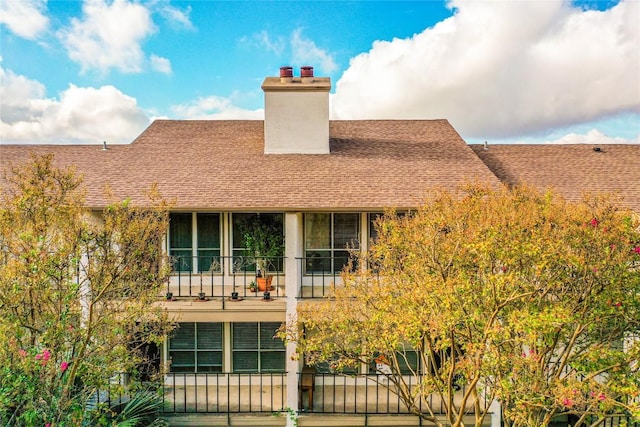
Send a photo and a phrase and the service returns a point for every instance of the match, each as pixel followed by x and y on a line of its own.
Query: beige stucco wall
pixel 296 121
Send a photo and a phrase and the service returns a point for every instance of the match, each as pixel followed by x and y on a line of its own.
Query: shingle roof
pixel 570 169
pixel 220 165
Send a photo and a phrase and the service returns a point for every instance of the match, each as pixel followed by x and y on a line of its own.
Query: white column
pixel 293 248
pixel 496 413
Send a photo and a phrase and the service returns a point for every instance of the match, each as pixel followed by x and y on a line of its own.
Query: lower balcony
pixel 224 393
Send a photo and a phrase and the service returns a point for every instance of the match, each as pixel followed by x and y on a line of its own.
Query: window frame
pixel 193 265
pixel 241 260
pixel 330 267
pixel 258 349
pixel 197 351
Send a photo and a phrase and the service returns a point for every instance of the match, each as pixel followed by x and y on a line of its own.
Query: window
pixel 242 260
pixel 255 349
pixel 199 251
pixel 196 347
pixel 408 362
pixel 326 239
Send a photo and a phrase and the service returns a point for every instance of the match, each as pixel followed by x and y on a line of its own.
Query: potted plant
pixel 262 240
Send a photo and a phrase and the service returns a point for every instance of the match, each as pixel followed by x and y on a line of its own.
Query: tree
pixel 77 293
pixel 512 295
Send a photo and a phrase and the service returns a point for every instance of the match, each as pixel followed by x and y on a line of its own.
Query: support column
pixel 496 413
pixel 293 231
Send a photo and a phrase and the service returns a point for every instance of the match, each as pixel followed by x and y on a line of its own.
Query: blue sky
pixel 517 71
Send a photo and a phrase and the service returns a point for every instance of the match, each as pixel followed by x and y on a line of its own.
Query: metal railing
pixel 333 393
pixel 371 394
pixel 223 277
pixel 224 392
pixel 616 420
pixel 319 274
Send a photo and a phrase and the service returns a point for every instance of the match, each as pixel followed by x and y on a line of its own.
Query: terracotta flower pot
pixel 264 283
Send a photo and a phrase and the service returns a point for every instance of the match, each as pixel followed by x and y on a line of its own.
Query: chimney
pixel 296 111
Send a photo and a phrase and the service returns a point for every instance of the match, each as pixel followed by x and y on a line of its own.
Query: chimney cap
pixel 306 74
pixel 286 71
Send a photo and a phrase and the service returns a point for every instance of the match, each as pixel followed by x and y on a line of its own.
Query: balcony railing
pixel 358 394
pixel 372 394
pixel 224 392
pixel 319 274
pixel 204 277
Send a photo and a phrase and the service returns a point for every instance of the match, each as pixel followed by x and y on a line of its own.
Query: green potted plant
pixel 262 239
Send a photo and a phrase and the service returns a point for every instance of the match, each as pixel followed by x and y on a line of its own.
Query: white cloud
pixel 263 40
pixel 305 52
pixel 25 18
pixel 108 36
pixel 502 69
pixel 160 64
pixel 175 15
pixel 80 115
pixel 594 136
pixel 215 108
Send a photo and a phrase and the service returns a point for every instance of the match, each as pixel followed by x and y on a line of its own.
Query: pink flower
pixel 601 396
pixel 47 425
pixel 594 222
pixel 567 402
pixel 64 366
pixel 637 250
pixel 46 355
pixel 22 352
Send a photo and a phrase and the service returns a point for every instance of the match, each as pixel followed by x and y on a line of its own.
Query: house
pixel 322 183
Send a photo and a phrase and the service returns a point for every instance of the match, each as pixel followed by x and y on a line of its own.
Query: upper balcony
pixel 219 277
pixel 225 277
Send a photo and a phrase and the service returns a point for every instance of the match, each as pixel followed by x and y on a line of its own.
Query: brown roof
pixel 570 169
pixel 220 165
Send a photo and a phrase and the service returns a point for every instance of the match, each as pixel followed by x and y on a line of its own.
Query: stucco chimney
pixel 296 112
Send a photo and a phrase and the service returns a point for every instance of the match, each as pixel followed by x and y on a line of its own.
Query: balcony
pixel 218 277
pixel 358 394
pixel 224 393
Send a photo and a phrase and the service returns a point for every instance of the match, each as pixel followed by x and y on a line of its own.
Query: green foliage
pixel 262 239
pixel 512 295
pixel 77 293
pixel 141 410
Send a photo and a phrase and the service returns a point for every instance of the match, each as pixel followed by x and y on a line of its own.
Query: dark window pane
pixel 272 361
pixel 180 231
pixel 345 230
pixel 243 262
pixel 209 230
pixel 209 261
pixel 341 258
pixel 241 224
pixel 411 362
pixel 182 260
pixel 182 359
pixel 245 336
pixel 236 220
pixel 317 231
pixel 245 361
pixel 318 261
pixel 209 361
pixel 183 337
pixel 267 340
pixel 373 233
pixel 210 336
